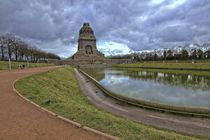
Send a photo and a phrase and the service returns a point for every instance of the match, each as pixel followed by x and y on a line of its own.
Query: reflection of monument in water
pixel 97 73
pixel 87 52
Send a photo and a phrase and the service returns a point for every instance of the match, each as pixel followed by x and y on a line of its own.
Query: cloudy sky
pixel 120 26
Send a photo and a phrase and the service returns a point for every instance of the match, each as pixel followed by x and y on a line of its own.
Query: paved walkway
pixel 188 125
pixel 20 120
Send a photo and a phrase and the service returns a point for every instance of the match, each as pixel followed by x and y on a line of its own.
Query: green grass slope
pixel 59 92
pixel 4 65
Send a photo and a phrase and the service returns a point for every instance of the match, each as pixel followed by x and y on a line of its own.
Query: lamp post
pixel 9 64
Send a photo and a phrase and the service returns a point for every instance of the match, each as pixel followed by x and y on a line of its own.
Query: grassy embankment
pixel 169 64
pixel 170 67
pixel 169 71
pixel 4 65
pixel 59 92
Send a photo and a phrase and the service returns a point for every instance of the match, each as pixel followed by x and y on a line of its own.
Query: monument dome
pixel 86 29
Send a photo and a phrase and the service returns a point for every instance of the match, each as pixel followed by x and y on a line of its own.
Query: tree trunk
pixel 9 52
pixel 2 52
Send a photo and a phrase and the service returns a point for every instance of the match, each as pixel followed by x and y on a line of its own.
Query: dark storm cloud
pixel 140 24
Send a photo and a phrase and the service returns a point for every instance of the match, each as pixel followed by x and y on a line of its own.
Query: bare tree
pixel 184 54
pixel 200 54
pixel 207 54
pixel 2 47
pixel 12 47
pixel 17 48
pixel 193 53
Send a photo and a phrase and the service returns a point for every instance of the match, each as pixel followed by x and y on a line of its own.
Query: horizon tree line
pixel 188 52
pixel 13 48
pixel 175 54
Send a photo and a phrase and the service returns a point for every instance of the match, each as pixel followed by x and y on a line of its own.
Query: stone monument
pixel 87 52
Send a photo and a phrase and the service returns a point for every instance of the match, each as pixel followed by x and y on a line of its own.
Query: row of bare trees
pixel 13 48
pixel 190 51
pixel 201 52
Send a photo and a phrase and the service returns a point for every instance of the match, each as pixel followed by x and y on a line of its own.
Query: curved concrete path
pixel 188 125
pixel 20 120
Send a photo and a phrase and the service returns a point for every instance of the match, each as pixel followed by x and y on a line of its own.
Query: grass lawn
pixel 59 92
pixel 169 71
pixel 4 65
pixel 168 64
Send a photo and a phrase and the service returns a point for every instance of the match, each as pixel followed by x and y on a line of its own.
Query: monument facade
pixel 87 52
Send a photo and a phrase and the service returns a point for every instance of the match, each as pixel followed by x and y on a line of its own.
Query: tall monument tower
pixel 87 52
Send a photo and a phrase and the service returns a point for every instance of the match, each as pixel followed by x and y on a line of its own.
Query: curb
pixel 78 125
pixel 100 133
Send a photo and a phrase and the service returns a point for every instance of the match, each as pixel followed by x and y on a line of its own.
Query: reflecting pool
pixel 162 87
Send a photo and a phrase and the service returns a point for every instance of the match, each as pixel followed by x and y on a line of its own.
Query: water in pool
pixel 161 87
